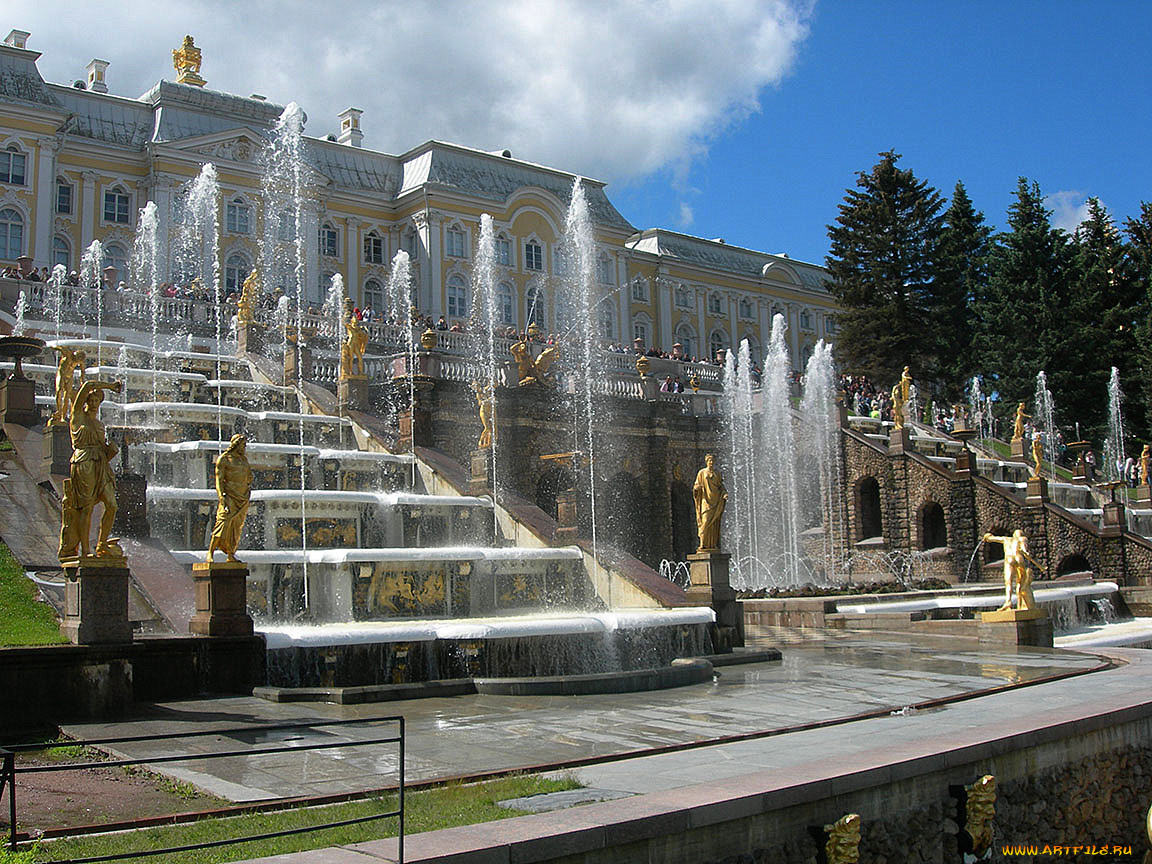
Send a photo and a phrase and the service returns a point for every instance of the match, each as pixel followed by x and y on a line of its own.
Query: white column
pixel 435 280
pixel 624 302
pixel 703 333
pixel 352 255
pixel 162 195
pixel 765 308
pixel 794 333
pixel 662 293
pixel 89 207
pixel 42 220
pixel 733 321
pixel 310 224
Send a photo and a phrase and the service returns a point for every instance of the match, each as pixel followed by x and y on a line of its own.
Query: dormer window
pixel 373 248
pixel 12 166
pixel 117 206
pixel 238 217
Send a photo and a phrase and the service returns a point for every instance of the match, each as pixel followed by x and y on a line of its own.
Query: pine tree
pixel 880 259
pixel 1138 257
pixel 961 269
pixel 1022 326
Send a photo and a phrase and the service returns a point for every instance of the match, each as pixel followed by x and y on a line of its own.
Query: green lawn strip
pixel 24 620
pixel 425 810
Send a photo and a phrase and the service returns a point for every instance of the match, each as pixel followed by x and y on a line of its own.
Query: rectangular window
pixel 683 298
pixel 503 252
pixel 640 290
pixel 63 197
pixel 715 305
pixel 329 241
pixel 829 325
pixel 286 230
pixel 457 302
pixel 533 256
pixel 12 167
pixel 604 271
pixel 504 304
pixel 806 320
pixel 455 243
pixel 116 207
pixel 640 331
pixel 237 218
pixel 373 249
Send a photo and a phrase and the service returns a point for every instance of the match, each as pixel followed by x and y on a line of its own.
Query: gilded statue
pixel 531 371
pixel 1037 454
pixel 979 811
pixel 710 496
pixel 90 475
pixel 70 361
pixel 843 845
pixel 354 345
pixel 1016 574
pixel 249 298
pixel 1018 426
pixel 186 60
pixel 484 401
pixel 233 491
pixel 1145 458
pixel 901 393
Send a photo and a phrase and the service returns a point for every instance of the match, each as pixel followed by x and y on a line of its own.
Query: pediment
pixel 241 144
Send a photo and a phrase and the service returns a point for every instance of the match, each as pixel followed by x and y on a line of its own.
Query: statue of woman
pixel 1145 458
pixel 710 496
pixel 233 491
pixel 70 361
pixel 1018 427
pixel 90 470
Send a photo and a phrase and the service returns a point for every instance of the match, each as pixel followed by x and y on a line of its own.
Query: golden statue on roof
pixel 186 59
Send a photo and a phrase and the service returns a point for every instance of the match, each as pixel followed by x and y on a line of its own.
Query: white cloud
pixel 1069 208
pixel 613 89
pixel 687 217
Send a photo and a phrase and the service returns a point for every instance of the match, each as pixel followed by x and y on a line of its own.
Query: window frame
pixel 456 296
pixel 121 209
pixel 533 257
pixel 715 304
pixel 63 185
pixel 455 242
pixel 234 281
pixel 6 238
pixel 57 242
pixel 328 240
pixel 238 216
pixel 373 248
pixel 503 251
pixel 7 174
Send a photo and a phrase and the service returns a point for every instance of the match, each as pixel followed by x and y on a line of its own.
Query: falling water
pixel 90 264
pixel 1045 420
pixel 819 462
pixel 21 306
pixel 580 247
pixel 736 528
pixel 400 298
pixel 778 452
pixel 332 313
pixel 1114 446
pixel 976 402
pixel 145 272
pixel 485 309
pixel 56 284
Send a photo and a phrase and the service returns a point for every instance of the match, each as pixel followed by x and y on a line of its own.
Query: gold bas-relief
pixel 233 491
pixel 90 478
pixel 979 811
pixel 710 497
pixel 843 845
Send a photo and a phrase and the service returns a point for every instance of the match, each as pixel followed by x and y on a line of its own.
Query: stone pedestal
pixel 709 586
pixel 353 393
pixel 900 440
pixel 1037 490
pixel 57 449
pixel 965 462
pixel 131 506
pixel 1114 520
pixel 1018 449
pixel 650 388
pixel 480 481
pixel 1016 627
pixel 567 515
pixel 18 401
pixel 96 601
pixel 221 590
pixel 297 363
pixel 1144 494
pixel 250 338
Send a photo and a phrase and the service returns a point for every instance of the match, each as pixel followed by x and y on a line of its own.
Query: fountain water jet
pixel 1046 420
pixel 1114 446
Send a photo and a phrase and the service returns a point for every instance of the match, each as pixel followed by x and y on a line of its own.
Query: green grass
pixel 24 620
pixel 425 810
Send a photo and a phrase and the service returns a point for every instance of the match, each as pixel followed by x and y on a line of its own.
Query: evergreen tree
pixel 881 255
pixel 1023 325
pixel 961 269
pixel 1138 259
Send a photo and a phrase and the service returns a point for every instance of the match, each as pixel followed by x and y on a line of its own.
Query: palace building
pixel 78 162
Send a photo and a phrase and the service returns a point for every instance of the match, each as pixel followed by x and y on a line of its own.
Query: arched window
pixel 640 289
pixel 536 306
pixel 374 296
pixel 373 249
pixel 457 296
pixel 61 252
pixel 12 166
pixel 686 336
pixel 11 234
pixel 933 529
pixel 715 304
pixel 868 508
pixel 329 241
pixel 607 322
pixel 117 206
pixel 641 329
pixel 716 343
pixel 236 270
pixel 506 303
pixel 745 308
pixel 238 217
pixel 114 257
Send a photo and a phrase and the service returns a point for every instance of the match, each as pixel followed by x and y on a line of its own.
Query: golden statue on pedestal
pixel 979 811
pixel 531 371
pixel 710 496
pixel 1037 453
pixel 843 845
pixel 353 348
pixel 1016 574
pixel 233 491
pixel 901 392
pixel 90 480
pixel 1145 458
pixel 1018 426
pixel 249 298
pixel 484 400
pixel 70 361
pixel 186 60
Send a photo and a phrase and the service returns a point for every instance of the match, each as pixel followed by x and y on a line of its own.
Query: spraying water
pixel 485 309
pixel 90 263
pixel 21 307
pixel 819 460
pixel 400 298
pixel 145 269
pixel 1114 446
pixel 56 288
pixel 1045 420
pixel 333 314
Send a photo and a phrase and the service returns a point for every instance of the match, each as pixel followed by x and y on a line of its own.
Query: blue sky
pixel 980 92
pixel 742 119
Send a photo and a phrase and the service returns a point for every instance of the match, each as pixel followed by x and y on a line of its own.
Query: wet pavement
pixel 826 680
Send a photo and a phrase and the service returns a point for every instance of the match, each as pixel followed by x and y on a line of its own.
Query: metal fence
pixel 9 771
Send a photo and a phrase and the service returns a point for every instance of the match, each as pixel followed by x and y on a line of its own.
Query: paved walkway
pixel 826 681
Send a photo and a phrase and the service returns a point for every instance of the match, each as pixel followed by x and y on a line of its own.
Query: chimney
pixel 17 38
pixel 350 133
pixel 96 77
